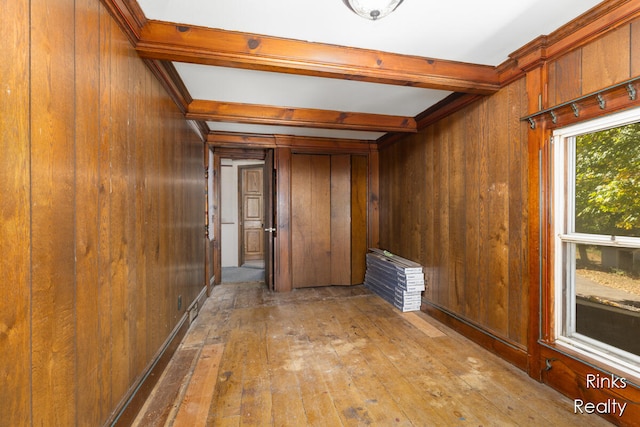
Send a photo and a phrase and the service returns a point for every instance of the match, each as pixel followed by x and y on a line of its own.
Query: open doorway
pixel 241 208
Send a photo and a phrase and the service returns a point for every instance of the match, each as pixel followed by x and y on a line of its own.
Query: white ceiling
pixel 481 32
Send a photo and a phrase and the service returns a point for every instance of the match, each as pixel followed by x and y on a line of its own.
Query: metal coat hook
pixel 574 107
pixel 547 363
pixel 532 123
pixel 632 91
pixel 554 118
pixel 601 101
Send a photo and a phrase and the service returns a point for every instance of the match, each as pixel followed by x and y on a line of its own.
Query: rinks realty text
pixel 610 406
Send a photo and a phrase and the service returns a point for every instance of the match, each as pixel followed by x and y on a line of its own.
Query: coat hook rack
pixel 585 102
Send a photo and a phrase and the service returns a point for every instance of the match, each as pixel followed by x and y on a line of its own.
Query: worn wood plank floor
pixel 339 356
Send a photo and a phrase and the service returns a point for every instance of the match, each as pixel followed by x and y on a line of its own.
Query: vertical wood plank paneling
pixel 385 199
pixel 167 304
pixel 565 78
pixel 484 260
pixel 475 123
pixel 457 165
pixel 606 60
pixel 496 292
pixel 15 215
pixel 87 216
pixel 359 173
pixel 301 220
pixel 53 180
pixel 428 258
pixel 153 179
pixel 320 207
pixel 473 259
pixel 104 219
pixel 140 237
pixel 373 215
pixel 442 207
pixel 119 212
pixel 517 145
pixel 635 48
pixel 80 189
pixel 415 204
pixel 340 224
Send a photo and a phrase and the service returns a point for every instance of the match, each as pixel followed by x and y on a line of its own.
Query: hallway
pixel 339 356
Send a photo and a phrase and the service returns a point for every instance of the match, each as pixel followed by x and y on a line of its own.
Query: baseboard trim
pixel 128 409
pixel 507 351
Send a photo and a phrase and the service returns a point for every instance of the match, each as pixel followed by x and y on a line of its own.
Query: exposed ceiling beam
pixel 199 45
pixel 301 117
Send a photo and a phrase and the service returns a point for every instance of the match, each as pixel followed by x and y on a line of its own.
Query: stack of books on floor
pixel 397 280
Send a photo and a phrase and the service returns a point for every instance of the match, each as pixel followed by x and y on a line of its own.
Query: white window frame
pixel 565 240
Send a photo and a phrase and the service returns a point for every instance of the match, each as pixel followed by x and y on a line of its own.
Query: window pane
pixel 608 295
pixel 607 192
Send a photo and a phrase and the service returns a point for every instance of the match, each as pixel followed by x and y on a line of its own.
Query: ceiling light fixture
pixel 372 9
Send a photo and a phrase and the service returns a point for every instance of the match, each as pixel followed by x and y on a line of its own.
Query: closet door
pixel 328 219
pixel 311 220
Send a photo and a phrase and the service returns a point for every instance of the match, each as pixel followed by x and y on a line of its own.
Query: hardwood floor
pixel 339 356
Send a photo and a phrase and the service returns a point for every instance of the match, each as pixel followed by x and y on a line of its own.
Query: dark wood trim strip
pixel 451 104
pixel 128 409
pixel 509 352
pixel 168 76
pixel 129 17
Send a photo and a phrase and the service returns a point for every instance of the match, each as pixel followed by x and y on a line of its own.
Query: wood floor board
pixel 341 356
pixel 194 407
pixel 159 407
pixel 435 385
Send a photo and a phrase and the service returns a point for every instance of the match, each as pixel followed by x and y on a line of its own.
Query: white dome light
pixel 372 9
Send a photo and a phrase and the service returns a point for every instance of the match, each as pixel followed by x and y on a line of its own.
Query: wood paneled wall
pixel 102 195
pixel 611 58
pixel 453 198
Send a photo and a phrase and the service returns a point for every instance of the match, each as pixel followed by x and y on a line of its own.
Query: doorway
pixel 241 201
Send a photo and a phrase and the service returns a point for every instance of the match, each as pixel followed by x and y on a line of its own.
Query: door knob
pixel 270 230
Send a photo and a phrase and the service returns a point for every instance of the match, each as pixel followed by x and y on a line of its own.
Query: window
pixel 597 239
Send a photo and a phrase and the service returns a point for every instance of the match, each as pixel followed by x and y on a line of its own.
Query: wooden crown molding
pixel 168 76
pixel 129 16
pixel 449 105
pixel 301 117
pixel 296 143
pixel 606 17
pixel 200 45
pixel 240 140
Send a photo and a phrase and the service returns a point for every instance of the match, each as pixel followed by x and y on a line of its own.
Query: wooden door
pixel 251 213
pixel 310 220
pixel 269 219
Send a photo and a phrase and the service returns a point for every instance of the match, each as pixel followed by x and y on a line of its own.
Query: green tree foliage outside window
pixel 608 182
